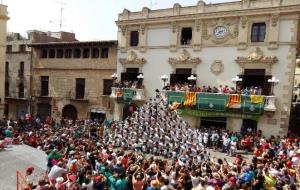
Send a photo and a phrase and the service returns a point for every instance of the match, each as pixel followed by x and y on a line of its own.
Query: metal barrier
pixel 21 182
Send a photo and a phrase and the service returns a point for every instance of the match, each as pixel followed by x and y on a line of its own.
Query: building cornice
pixel 212 15
pixel 4 17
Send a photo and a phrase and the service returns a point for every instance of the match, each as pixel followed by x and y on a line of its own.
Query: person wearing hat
pixel 60 185
pixel 29 176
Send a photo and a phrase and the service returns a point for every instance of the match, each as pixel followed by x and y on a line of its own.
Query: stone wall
pixel 3 22
pixel 62 81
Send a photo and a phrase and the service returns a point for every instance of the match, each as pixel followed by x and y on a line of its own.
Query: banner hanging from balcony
pixel 253 105
pixel 211 102
pixel 174 96
pixel 190 99
pixel 234 101
pixel 127 95
pixel 201 113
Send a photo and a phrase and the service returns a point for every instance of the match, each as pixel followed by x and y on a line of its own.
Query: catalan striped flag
pixel 234 100
pixel 190 99
pixel 175 105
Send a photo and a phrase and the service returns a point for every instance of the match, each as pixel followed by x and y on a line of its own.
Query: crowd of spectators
pixel 129 84
pixel 220 89
pixel 84 155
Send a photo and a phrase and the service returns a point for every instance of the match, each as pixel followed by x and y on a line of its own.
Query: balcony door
pixel 214 122
pixel 256 78
pixel 181 76
pixel 130 75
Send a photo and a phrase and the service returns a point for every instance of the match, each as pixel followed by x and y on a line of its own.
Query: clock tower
pixel 3 22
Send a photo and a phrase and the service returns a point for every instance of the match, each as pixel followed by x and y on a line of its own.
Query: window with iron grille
pixel 258 32
pixel 134 38
pixel 44 85
pixel 80 88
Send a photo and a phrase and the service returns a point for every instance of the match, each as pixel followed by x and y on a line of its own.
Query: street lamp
pixel 236 80
pixel 140 79
pixel 273 82
pixel 140 76
pixel 114 77
pixel 164 78
pixel 192 79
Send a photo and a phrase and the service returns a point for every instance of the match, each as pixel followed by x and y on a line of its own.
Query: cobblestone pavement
pixel 19 158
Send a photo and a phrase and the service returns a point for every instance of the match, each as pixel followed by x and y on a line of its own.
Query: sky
pixel 88 19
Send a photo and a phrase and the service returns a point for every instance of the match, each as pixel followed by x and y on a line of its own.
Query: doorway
pixel 256 78
pixel 249 126
pixel 69 112
pixel 181 76
pixel 128 110
pixel 130 75
pixel 214 122
pixel 98 115
pixel 43 110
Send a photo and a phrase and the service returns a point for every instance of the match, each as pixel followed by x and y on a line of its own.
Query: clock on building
pixel 220 31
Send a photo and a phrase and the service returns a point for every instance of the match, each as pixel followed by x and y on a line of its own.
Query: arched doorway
pixel 128 110
pixel 69 112
pixel 43 110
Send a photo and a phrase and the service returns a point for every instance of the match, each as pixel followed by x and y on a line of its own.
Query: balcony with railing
pixel 128 94
pixel 203 104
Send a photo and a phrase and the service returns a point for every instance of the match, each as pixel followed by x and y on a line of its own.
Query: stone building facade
pixel 73 79
pixel 256 40
pixel 17 76
pixel 3 23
